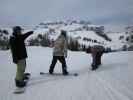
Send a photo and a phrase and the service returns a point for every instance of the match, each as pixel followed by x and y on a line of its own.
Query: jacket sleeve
pixel 65 48
pixel 27 34
pixel 13 50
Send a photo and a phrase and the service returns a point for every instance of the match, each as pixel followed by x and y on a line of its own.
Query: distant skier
pixel 96 52
pixel 19 54
pixel 60 52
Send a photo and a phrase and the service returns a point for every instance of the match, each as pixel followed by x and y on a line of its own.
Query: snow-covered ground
pixel 112 81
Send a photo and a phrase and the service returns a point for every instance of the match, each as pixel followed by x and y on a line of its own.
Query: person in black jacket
pixel 19 53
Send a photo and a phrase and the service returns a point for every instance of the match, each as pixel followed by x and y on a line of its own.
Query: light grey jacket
pixel 60 46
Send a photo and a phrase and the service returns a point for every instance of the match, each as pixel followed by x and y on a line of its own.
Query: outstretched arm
pixel 27 34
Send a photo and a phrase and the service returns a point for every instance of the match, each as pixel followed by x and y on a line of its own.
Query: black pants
pixel 97 59
pixel 62 61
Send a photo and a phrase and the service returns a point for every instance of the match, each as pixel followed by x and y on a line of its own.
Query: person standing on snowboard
pixel 96 52
pixel 60 53
pixel 19 54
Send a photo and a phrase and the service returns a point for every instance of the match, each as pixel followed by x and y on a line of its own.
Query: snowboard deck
pixel 59 74
pixel 19 90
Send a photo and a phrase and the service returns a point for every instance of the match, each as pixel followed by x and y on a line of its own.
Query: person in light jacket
pixel 60 53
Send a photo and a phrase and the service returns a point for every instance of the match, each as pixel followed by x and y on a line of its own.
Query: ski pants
pixel 21 66
pixel 97 59
pixel 62 61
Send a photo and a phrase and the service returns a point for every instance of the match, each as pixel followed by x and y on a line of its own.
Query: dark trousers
pixel 62 61
pixel 97 60
pixel 99 55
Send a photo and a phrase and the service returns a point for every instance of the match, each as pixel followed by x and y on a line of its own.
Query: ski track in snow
pixel 112 92
pixel 112 81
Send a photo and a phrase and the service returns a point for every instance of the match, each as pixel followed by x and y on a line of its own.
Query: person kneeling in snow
pixel 60 52
pixel 19 54
pixel 96 52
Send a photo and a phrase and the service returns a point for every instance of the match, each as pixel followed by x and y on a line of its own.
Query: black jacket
pixel 18 48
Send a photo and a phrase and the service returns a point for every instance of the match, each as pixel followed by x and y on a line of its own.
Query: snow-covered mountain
pixel 86 34
pixel 83 31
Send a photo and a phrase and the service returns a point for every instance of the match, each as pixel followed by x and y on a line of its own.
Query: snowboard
pixel 59 74
pixel 21 90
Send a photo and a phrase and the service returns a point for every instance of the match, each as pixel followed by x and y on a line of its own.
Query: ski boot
pixel 20 84
pixel 65 72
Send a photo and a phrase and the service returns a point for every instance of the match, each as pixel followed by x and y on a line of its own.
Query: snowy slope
pixel 112 81
pixel 117 43
pixel 76 30
pixel 90 35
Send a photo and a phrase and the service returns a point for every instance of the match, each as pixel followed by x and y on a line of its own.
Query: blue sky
pixel 32 12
